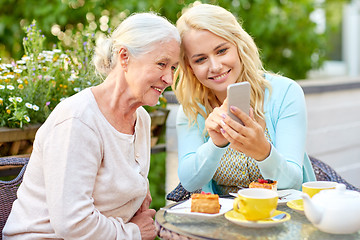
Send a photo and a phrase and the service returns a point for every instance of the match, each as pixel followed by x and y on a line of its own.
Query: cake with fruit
pixel 264 183
pixel 205 203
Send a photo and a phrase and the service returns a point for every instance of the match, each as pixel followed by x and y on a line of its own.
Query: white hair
pixel 139 33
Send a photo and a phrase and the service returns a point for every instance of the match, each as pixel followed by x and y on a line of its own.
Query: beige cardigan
pixel 84 180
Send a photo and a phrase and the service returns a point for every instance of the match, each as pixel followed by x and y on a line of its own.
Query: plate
pixel 296 205
pixel 185 208
pixel 289 195
pixel 239 219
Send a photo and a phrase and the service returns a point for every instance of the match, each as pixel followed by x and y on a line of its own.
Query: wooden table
pixel 174 226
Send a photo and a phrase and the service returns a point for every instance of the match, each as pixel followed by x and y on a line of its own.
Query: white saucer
pixel 239 219
pixel 293 195
pixel 185 208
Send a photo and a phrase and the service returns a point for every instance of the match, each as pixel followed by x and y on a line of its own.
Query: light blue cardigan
pixel 286 120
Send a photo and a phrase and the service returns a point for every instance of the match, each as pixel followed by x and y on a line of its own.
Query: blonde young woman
pixel 87 175
pixel 216 153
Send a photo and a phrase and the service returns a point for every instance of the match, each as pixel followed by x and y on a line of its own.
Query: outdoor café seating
pixel 15 166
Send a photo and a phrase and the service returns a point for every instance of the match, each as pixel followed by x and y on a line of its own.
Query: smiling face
pixel 214 61
pixel 148 75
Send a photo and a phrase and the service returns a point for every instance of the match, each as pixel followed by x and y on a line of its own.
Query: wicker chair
pixel 9 188
pixel 324 172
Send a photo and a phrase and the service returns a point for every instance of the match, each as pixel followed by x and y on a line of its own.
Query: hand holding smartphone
pixel 238 95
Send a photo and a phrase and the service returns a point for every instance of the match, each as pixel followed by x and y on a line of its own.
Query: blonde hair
pixel 139 33
pixel 189 91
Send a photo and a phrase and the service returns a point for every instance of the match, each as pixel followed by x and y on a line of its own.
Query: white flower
pixel 56 50
pixel 41 55
pixel 8 65
pixel 27 118
pixel 18 99
pixel 36 108
pixel 10 76
pixel 26 58
pixel 21 61
pixel 47 77
pixel 19 80
pixel 11 99
pixel 49 59
pixel 28 105
pixel 17 70
pixel 72 78
pixel 77 89
pixel 10 87
pixel 22 67
pixel 2 87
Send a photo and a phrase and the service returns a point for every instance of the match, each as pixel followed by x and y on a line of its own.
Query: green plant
pixel 282 29
pixel 31 87
pixel 157 180
pixel 284 33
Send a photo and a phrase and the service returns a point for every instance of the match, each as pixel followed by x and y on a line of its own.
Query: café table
pixel 174 226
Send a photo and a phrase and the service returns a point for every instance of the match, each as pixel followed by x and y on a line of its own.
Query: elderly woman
pixel 87 175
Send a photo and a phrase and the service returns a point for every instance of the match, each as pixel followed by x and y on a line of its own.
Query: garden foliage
pixel 282 29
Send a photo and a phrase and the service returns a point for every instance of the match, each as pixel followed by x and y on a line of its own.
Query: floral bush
pixel 31 87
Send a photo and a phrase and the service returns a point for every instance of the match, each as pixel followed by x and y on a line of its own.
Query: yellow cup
pixel 256 203
pixel 312 188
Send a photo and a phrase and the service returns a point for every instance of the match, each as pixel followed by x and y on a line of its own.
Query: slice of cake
pixel 264 183
pixel 205 203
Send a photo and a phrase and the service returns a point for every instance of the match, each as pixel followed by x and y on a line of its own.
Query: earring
pixel 124 57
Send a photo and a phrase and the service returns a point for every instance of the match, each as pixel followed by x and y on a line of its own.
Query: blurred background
pixel 295 37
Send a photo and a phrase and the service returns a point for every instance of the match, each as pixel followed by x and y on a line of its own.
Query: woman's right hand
pixel 213 124
pixel 145 222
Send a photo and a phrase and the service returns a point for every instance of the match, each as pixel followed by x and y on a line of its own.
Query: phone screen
pixel 238 95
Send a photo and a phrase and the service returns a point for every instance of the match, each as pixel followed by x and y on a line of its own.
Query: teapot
pixel 335 211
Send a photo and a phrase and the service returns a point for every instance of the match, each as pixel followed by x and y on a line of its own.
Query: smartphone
pixel 238 95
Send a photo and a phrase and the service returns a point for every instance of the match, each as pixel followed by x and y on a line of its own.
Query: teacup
pixel 256 203
pixel 312 188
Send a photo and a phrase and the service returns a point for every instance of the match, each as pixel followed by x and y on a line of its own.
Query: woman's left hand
pixel 248 138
